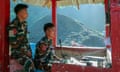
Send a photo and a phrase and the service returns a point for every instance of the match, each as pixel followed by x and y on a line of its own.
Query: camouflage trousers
pixel 42 66
pixel 24 60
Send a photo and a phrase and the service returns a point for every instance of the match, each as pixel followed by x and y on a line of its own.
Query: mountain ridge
pixel 67 31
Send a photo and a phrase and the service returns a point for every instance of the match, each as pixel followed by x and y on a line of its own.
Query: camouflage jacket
pixel 48 54
pixel 18 38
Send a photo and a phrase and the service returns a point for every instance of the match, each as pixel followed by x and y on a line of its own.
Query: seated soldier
pixel 19 46
pixel 44 49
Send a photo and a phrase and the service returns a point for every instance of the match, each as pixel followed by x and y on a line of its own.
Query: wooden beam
pixel 54 20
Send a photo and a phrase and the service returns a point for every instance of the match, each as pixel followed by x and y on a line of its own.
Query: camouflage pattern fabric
pixel 42 59
pixel 18 41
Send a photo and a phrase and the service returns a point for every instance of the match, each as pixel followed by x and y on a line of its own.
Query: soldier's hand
pixel 14 44
pixel 29 54
pixel 43 47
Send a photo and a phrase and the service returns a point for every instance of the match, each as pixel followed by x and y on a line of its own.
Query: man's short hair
pixel 48 25
pixel 19 7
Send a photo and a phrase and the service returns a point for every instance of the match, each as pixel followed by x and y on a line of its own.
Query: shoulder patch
pixel 13 32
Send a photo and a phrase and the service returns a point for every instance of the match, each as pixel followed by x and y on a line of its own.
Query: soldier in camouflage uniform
pixel 44 49
pixel 19 46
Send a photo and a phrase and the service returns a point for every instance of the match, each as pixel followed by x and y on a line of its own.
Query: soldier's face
pixel 50 33
pixel 23 13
